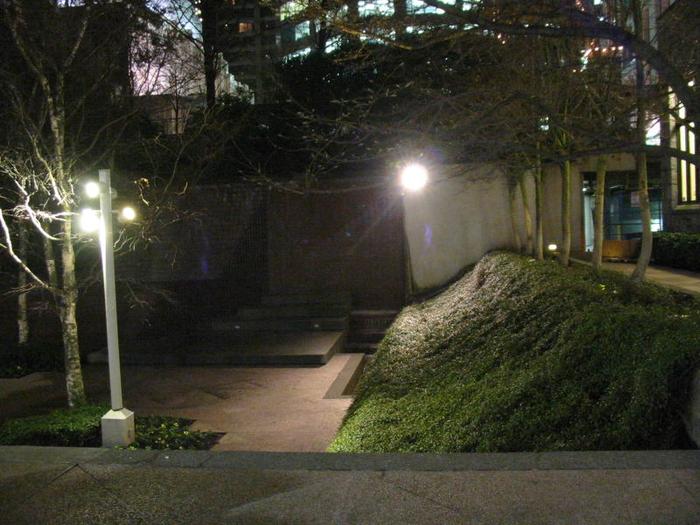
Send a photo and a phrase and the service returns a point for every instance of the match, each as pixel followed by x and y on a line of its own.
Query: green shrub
pixel 164 432
pixel 20 360
pixel 526 356
pixel 677 250
pixel 80 427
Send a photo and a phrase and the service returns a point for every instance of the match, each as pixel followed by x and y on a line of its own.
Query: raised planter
pixel 621 250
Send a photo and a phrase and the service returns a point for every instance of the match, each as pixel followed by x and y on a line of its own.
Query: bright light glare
pixel 414 177
pixel 92 189
pixel 552 247
pixel 128 213
pixel 89 220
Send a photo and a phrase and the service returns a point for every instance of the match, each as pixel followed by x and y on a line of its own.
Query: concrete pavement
pixel 74 486
pixel 259 408
pixel 672 278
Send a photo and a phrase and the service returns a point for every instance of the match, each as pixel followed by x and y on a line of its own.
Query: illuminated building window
pixel 375 7
pixel 685 139
pixel 245 27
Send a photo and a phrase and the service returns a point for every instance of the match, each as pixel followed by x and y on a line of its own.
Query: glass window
pixel 685 139
pixel 375 7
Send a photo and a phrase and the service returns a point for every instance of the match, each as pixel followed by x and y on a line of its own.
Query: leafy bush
pixel 164 432
pixel 80 427
pixel 522 355
pixel 20 360
pixel 677 250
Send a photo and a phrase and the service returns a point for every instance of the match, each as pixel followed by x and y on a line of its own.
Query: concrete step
pixel 290 348
pixel 239 349
pixel 281 324
pixel 345 384
pixel 291 311
pixel 366 336
pixel 361 348
pixel 372 319
pixel 336 298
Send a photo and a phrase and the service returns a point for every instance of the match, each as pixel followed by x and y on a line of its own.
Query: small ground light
pixel 92 189
pixel 414 177
pixel 89 220
pixel 552 247
pixel 128 213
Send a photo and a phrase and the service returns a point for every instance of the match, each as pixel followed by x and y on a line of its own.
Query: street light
pixel 414 177
pixel 118 423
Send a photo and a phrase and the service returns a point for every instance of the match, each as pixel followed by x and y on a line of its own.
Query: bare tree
pixel 66 93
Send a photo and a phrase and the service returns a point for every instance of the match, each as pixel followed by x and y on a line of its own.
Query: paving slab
pixel 271 409
pixel 279 489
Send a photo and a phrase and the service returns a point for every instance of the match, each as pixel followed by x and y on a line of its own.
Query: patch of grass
pixel 80 427
pixel 522 355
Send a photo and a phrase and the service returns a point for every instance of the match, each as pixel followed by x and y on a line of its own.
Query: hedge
pixel 677 250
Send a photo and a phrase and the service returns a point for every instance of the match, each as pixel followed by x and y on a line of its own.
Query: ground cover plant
pixel 521 355
pixel 678 250
pixel 80 427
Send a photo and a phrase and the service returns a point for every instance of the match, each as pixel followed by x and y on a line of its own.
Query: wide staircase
pixel 367 329
pixel 282 330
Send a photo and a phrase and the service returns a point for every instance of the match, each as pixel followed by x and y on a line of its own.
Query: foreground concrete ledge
pixel 600 460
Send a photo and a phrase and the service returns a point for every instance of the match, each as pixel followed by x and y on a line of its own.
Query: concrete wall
pixel 462 214
pixel 552 226
pixel 465 212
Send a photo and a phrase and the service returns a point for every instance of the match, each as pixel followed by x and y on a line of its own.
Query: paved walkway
pixel 76 486
pixel 259 408
pixel 678 280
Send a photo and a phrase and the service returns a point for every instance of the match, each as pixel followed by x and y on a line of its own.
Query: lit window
pixel 684 138
pixel 375 7
pixel 245 27
pixel 302 30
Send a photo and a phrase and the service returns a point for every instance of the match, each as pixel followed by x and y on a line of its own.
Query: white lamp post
pixel 413 178
pixel 118 423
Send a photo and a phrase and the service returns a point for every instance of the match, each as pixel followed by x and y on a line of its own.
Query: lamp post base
pixel 118 428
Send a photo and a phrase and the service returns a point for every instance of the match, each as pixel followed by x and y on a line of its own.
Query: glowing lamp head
pixel 127 214
pixel 92 189
pixel 552 247
pixel 89 220
pixel 414 177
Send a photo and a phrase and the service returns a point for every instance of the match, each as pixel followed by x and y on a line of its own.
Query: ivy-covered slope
pixel 522 355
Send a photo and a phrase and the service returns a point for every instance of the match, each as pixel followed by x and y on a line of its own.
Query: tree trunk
pixel 209 13
pixel 527 212
pixel 22 317
pixel 539 215
pixel 599 220
pixel 67 307
pixel 565 250
pixel 645 212
pixel 513 193
pixel 641 160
